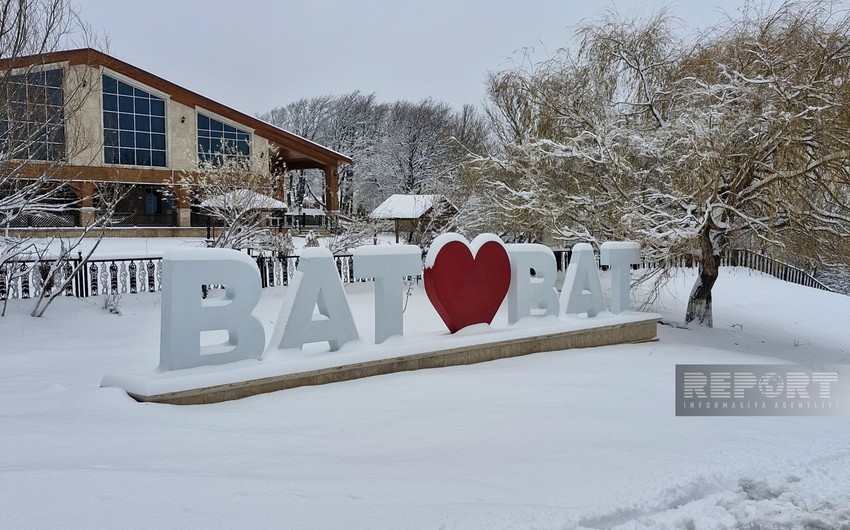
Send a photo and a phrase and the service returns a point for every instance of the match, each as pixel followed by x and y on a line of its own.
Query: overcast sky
pixel 254 55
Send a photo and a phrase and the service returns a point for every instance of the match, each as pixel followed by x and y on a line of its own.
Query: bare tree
pixel 237 198
pixel 41 132
pixel 396 148
pixel 58 268
pixel 37 101
pixel 351 123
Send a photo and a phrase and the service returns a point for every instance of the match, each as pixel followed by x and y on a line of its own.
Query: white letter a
pixel 316 283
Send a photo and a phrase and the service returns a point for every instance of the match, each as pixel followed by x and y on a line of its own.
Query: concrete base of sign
pixel 636 330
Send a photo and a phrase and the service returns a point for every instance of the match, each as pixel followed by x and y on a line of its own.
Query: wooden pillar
pixel 332 188
pixel 184 212
pixel 85 194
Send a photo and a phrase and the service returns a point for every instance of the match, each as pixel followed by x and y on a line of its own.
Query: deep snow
pixel 581 438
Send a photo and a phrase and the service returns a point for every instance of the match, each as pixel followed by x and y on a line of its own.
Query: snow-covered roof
pixel 245 198
pixel 405 206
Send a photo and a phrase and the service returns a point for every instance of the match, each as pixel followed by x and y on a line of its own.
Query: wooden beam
pixel 97 173
pixel 331 188
pixel 84 191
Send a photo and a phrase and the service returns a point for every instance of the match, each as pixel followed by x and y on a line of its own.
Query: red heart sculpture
pixel 467 289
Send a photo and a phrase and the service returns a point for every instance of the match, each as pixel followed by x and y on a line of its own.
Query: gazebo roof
pixel 401 206
pixel 247 198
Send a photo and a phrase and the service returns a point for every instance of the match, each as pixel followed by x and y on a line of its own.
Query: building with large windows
pixel 93 118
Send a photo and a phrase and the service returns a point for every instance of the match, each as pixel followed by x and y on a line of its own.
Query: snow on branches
pixel 739 138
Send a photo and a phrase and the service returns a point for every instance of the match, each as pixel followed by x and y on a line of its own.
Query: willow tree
pixel 692 146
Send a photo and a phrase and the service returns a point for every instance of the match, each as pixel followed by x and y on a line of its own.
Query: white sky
pixel 254 55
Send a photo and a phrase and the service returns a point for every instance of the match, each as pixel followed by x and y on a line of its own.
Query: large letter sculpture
pixel 620 256
pixel 185 314
pixel 316 283
pixel 532 290
pixel 582 292
pixel 389 266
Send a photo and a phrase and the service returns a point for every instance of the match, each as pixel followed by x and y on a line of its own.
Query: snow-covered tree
pixel 59 266
pixel 350 123
pixel 396 148
pixel 36 103
pixel 237 199
pixel 692 146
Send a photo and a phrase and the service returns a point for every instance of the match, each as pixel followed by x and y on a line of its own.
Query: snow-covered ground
pixel 570 439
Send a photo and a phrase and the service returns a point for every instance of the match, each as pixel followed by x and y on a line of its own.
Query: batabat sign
pixel 465 282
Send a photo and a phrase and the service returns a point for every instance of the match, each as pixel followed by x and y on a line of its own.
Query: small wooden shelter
pixel 413 213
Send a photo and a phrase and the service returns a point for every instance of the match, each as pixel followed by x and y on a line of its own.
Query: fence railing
pixel 27 279
pixel 276 271
pixel 133 219
pixel 752 260
pixel 46 220
pixel 773 267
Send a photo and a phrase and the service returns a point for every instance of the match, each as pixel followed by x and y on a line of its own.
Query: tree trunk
pixel 699 302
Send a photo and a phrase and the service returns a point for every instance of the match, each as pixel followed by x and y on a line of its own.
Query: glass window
pixel 128 157
pixel 125 103
pixel 32 116
pixel 218 141
pixel 158 125
pixel 143 105
pixel 143 157
pixel 110 155
pixel 143 123
pixel 110 85
pixel 127 139
pixel 143 140
pixel 158 142
pixel 157 158
pixel 110 102
pixel 126 134
pixel 53 78
pixel 126 121
pixel 110 121
pixel 54 96
pixel 55 152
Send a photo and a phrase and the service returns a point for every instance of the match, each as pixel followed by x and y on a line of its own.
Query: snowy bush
pixel 112 303
pixel 311 240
